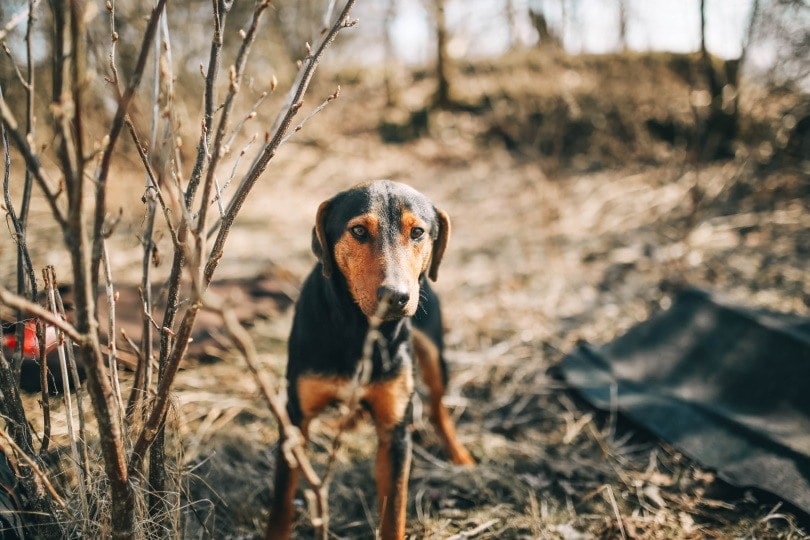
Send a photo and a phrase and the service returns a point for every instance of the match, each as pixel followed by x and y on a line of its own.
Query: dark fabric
pixel 728 386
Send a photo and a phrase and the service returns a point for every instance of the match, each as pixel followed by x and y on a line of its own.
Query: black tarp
pixel 726 385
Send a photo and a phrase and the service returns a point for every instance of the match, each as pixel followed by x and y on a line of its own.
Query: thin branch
pixel 221 9
pixel 169 368
pixel 293 444
pixel 112 362
pixel 25 269
pixel 294 441
pixel 43 381
pixel 31 161
pixel 362 376
pixel 112 137
pixel 236 73
pixel 250 115
pixel 79 78
pixel 156 417
pixel 75 379
pixel 153 187
pixel 143 372
pixel 279 131
pixel 33 309
pixel 49 277
pixel 309 117
pixel 168 345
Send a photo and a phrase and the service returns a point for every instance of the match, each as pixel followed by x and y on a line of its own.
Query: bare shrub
pixel 190 201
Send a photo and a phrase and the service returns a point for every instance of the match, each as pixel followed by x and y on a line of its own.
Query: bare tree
pixel 719 125
pixel 547 36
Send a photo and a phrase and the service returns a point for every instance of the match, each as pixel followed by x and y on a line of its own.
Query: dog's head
pixel 383 237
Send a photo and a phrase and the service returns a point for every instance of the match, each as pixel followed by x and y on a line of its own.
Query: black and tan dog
pixel 375 241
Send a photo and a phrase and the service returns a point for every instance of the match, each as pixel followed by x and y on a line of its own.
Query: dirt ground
pixel 544 252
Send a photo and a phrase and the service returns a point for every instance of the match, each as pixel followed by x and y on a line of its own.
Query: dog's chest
pixel 388 399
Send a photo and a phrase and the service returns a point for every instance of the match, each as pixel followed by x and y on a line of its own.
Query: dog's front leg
pixel 392 470
pixel 282 509
pixel 390 405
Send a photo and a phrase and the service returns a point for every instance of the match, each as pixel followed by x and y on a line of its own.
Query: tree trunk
pixel 442 98
pixel 721 123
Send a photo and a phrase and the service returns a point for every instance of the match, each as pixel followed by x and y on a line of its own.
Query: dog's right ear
pixel 320 246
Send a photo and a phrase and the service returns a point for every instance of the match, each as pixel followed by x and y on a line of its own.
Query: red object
pixel 30 343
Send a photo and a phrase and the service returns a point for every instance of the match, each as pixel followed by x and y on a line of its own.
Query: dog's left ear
pixel 319 245
pixel 439 243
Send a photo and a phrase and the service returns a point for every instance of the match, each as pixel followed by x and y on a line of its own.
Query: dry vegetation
pixel 536 262
pixel 571 221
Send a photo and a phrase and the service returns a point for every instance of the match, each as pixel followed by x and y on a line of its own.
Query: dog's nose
pixel 398 298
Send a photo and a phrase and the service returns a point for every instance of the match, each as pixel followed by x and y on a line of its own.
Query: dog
pixel 376 242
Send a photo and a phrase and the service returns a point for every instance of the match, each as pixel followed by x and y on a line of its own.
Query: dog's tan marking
pixel 316 392
pixel 361 262
pixel 388 402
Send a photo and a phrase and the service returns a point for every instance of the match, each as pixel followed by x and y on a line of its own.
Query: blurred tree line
pixel 777 33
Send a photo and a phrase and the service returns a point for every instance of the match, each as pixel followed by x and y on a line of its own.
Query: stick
pixel 472 533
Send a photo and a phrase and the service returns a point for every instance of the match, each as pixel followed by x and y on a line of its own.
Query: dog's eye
pixel 359 232
pixel 417 233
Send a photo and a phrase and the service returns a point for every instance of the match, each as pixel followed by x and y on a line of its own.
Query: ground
pixel 535 263
pixel 545 251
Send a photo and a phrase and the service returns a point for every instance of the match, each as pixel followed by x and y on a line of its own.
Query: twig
pixel 309 117
pixel 221 9
pixel 154 421
pixel 250 115
pixel 362 376
pixel 112 363
pixel 472 533
pixel 31 160
pixel 35 310
pixel 612 500
pixel 218 197
pixel 43 382
pixel 77 385
pixel 153 186
pixel 37 470
pixel 159 510
pixel 23 258
pixel 236 72
pixel 26 279
pixel 173 350
pixel 294 443
pixel 49 277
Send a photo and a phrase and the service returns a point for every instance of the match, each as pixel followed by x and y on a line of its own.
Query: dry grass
pixel 535 263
